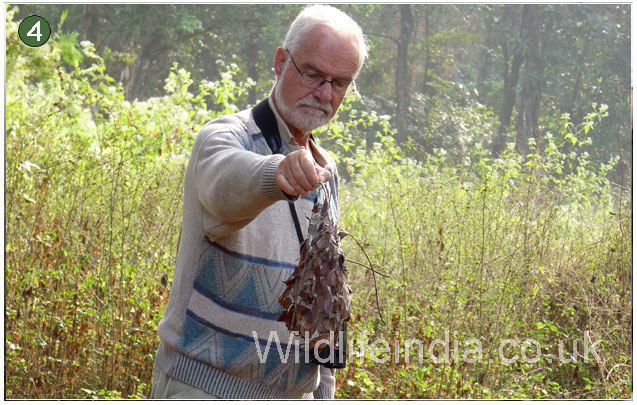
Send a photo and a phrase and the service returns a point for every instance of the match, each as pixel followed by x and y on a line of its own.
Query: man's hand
pixel 298 174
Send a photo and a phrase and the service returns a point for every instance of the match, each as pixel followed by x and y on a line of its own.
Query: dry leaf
pixel 317 299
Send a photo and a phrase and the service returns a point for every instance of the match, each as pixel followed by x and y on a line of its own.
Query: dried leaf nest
pixel 317 299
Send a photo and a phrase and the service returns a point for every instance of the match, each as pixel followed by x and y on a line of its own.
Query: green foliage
pixel 514 247
pixel 93 214
pixel 457 57
pixel 67 43
pixel 508 248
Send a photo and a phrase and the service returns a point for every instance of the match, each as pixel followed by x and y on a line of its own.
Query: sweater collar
pixel 284 131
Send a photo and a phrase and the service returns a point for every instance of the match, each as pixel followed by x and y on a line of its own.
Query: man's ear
pixel 279 60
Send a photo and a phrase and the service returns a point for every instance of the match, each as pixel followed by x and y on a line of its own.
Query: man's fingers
pixel 299 166
pixel 284 185
pixel 308 171
pixel 297 174
pixel 323 175
pixel 287 182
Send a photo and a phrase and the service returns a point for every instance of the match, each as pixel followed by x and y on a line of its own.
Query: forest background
pixel 486 164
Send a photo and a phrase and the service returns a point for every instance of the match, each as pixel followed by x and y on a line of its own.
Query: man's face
pixel 321 52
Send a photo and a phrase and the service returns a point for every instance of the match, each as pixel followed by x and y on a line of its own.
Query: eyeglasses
pixel 315 80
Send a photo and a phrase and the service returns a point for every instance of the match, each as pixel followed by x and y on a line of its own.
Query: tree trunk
pixel 527 124
pixel 485 59
pixel 426 88
pixel 252 59
pixel 510 75
pixel 90 25
pixel 135 87
pixel 403 78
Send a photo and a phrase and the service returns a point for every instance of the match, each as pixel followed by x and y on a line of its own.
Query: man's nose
pixel 324 93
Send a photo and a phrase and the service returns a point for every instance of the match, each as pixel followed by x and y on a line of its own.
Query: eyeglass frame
pixel 323 80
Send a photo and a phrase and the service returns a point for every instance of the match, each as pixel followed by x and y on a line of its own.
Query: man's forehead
pixel 324 47
pixel 326 36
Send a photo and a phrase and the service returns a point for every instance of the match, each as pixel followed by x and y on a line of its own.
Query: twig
pixel 612 369
pixel 367 267
pixel 372 34
pixel 620 186
pixel 380 314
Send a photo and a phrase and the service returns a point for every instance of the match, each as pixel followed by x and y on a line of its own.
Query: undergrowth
pixel 509 266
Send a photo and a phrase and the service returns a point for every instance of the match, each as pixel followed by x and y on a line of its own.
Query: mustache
pixel 312 102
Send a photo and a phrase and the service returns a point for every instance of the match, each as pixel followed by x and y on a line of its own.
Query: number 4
pixel 36 28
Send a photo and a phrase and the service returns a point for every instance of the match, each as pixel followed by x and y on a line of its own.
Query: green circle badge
pixel 34 31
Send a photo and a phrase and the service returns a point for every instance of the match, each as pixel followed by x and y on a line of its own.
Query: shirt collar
pixel 284 131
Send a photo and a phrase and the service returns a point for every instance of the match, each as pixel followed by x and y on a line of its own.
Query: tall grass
pixel 522 247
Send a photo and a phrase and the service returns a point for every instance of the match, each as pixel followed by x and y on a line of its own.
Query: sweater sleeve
pixel 233 183
pixel 327 386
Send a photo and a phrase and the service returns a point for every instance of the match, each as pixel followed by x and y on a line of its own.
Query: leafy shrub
pixel 509 248
pixel 93 213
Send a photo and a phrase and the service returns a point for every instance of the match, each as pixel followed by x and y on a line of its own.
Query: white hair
pixel 320 15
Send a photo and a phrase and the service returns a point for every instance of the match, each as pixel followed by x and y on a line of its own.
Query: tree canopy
pixel 449 76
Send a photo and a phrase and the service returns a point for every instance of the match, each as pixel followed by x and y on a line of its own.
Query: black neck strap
pixel 266 121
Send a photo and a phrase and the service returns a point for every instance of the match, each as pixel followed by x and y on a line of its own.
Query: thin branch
pixel 380 314
pixel 371 34
pixel 622 187
pixel 367 267
pixel 613 369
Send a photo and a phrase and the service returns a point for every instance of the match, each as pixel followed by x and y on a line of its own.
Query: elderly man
pixel 248 192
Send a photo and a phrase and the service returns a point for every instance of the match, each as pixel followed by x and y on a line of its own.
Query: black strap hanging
pixel 266 121
pixel 295 218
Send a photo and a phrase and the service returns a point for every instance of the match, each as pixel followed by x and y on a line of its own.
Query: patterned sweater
pixel 238 245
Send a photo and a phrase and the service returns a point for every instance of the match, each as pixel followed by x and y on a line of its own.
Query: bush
pixel 93 214
pixel 501 253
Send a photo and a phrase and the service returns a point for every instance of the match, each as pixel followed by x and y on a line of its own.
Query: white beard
pixel 301 116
